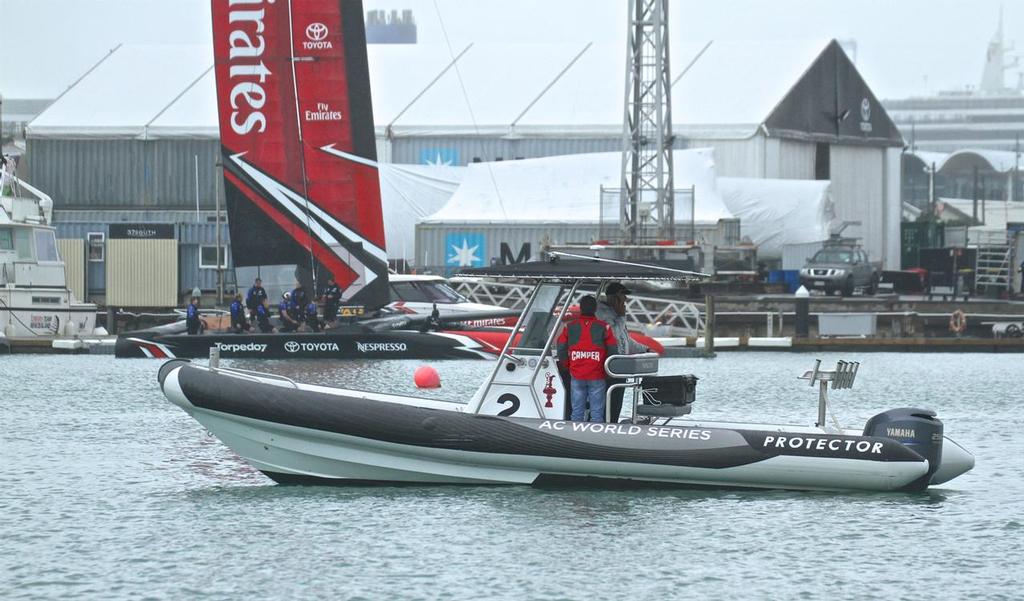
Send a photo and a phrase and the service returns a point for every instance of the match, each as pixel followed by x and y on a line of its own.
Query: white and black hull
pixel 302 433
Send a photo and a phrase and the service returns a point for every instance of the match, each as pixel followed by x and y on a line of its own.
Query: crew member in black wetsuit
pixel 255 297
pixel 285 311
pixel 312 322
pixel 238 321
pixel 299 301
pixel 192 321
pixel 331 297
pixel 263 317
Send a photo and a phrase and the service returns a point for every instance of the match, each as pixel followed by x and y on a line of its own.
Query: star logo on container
pixel 465 249
pixel 439 157
pixel 291 346
pixel 316 32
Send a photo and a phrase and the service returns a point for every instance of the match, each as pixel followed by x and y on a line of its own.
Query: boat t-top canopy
pixel 572 267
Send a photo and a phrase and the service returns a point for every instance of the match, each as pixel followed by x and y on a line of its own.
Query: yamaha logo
pixel 316 37
pixel 291 346
pixel 316 31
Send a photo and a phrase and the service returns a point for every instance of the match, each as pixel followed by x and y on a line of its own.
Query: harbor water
pixel 110 492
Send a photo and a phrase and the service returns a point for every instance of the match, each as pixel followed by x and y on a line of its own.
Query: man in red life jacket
pixel 584 345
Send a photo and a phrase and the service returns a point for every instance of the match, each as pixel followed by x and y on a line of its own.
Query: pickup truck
pixel 840 269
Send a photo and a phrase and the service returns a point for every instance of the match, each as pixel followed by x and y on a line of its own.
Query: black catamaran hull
pixel 301 433
pixel 335 344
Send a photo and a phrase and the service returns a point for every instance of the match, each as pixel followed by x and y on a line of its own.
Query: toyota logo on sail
pixel 291 346
pixel 316 34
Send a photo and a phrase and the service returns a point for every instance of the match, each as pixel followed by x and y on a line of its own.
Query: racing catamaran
pixel 303 194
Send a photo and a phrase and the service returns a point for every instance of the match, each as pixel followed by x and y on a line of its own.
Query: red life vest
pixel 584 344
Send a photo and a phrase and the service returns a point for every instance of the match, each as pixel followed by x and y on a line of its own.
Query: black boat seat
pixel 664 410
pixel 667 396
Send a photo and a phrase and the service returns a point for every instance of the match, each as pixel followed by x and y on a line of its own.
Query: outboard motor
pixel 918 429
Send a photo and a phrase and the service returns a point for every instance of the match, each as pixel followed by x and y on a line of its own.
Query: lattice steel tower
pixel 647 191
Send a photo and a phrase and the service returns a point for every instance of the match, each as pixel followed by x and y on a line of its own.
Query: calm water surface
pixel 110 492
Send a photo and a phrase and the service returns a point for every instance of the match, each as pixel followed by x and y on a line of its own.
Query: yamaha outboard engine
pixel 918 429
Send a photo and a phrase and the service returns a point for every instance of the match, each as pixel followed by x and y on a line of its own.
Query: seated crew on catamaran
pixel 299 301
pixel 238 321
pixel 312 322
pixel 255 297
pixel 285 312
pixel 331 297
pixel 584 344
pixel 263 317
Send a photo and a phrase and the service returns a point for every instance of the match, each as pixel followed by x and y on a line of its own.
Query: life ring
pixel 958 322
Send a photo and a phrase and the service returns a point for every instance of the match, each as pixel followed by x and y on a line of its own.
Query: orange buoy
pixel 426 377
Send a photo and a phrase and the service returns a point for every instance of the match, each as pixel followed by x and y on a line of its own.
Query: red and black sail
pixel 296 127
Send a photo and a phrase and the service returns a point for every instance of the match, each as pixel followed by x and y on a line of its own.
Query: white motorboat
pixel 514 429
pixel 35 301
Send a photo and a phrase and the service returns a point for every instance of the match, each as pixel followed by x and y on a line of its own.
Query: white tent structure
pixel 409 194
pixel 779 212
pixel 566 189
pixel 557 200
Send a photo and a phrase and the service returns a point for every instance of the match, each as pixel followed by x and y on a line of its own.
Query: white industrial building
pixel 140 129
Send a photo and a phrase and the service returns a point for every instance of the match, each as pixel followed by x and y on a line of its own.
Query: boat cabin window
pixel 23 243
pixel 46 246
pixel 6 239
pixel 540 317
pixel 426 292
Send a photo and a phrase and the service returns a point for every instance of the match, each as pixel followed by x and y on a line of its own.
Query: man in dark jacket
pixel 286 311
pixel 613 312
pixel 584 344
pixel 255 297
pixel 238 321
pixel 192 321
pixel 263 317
pixel 331 297
pixel 312 322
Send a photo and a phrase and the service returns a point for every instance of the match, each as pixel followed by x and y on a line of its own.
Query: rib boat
pixel 514 429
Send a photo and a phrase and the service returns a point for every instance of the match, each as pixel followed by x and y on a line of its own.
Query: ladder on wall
pixel 993 269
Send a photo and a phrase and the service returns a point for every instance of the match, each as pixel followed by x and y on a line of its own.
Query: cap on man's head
pixel 588 305
pixel 616 288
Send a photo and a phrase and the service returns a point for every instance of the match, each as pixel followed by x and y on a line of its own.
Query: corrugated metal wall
pixel 793 159
pixel 893 208
pixel 735 158
pixel 125 173
pixel 434 241
pixel 461 150
pixel 857 190
pixel 438 244
pixel 191 236
pixel 138 270
pixel 72 252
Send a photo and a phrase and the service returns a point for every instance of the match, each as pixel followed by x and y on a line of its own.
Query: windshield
pixel 426 292
pixel 833 255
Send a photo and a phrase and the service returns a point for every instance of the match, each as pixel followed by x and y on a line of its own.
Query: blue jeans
pixel 584 393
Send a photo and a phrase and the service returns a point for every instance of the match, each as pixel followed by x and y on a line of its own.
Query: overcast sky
pixel 904 47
